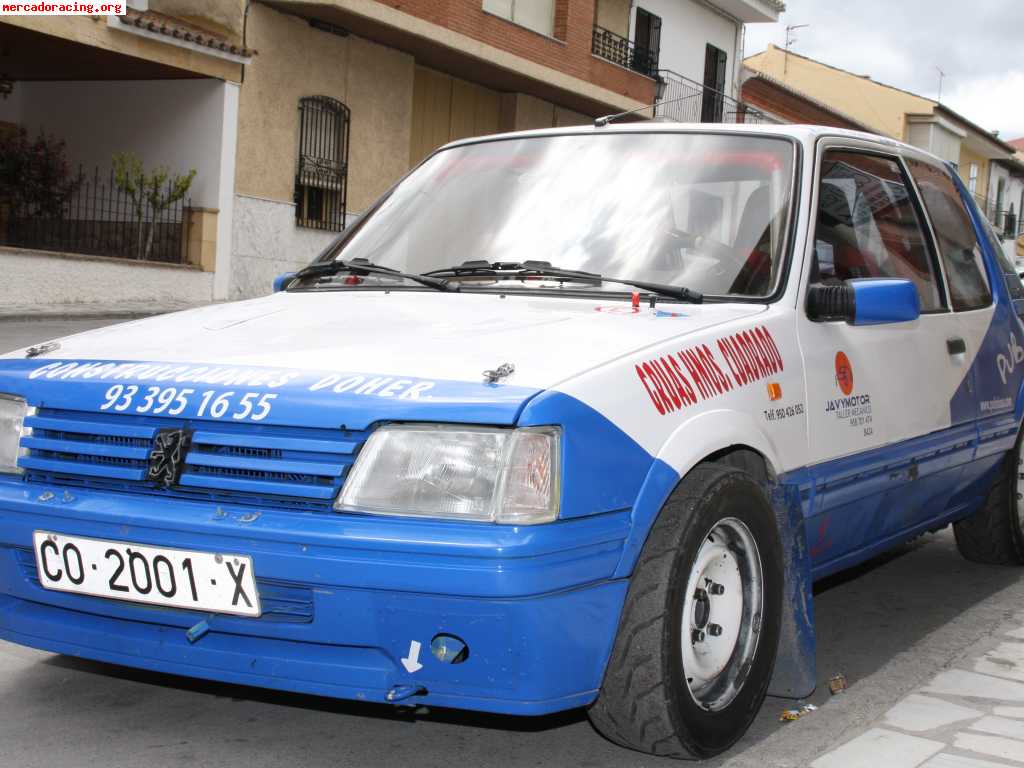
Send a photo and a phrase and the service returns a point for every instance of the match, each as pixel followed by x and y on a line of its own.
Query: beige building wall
pixel 296 60
pixel 446 108
pixel 878 106
pixel 94 31
pixel 522 112
pixel 967 157
pixel 613 15
pixel 225 16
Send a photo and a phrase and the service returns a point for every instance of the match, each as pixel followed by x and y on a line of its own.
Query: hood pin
pixel 502 371
pixel 42 349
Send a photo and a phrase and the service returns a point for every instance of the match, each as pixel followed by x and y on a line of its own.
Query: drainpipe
pixel 739 44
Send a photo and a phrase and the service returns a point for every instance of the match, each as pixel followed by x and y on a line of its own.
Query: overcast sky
pixel 978 43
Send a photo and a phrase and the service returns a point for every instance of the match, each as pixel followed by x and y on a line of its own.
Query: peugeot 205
pixel 568 418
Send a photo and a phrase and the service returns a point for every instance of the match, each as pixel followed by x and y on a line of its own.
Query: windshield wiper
pixel 481 268
pixel 362 266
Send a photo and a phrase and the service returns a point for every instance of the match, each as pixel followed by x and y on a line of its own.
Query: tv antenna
pixel 942 76
pixel 790 39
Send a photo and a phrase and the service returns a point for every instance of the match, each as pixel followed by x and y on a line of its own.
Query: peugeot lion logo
pixel 167 458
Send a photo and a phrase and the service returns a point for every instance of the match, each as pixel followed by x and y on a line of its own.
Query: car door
pixel 878 397
pixel 986 297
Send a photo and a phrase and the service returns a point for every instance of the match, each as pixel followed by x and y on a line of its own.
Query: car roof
pixel 806 134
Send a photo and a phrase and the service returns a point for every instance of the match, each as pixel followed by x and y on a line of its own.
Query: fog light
pixel 449 649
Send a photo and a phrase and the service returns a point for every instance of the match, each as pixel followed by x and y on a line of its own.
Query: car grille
pixel 240 463
pixel 281 602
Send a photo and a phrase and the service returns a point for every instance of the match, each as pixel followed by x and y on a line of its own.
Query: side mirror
pixel 281 281
pixel 867 301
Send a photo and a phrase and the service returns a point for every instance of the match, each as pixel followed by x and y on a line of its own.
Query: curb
pixel 88 313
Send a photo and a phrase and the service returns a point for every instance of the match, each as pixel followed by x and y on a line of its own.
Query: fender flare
pixel 692 442
pixel 795 672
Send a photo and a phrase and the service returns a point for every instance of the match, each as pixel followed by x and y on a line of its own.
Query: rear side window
pixel 868 227
pixel 958 245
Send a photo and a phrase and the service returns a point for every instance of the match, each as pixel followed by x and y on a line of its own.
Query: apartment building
pixel 297 114
pixel 985 162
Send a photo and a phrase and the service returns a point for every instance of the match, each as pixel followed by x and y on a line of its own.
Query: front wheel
pixel 700 627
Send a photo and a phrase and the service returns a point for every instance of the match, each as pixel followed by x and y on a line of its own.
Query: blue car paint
pixel 282 280
pixel 880 300
pixel 539 602
pixel 303 397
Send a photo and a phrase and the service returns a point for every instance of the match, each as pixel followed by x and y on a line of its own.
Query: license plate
pixel 178 578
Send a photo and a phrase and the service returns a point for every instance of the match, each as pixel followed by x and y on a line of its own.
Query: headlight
pixel 13 411
pixel 455 472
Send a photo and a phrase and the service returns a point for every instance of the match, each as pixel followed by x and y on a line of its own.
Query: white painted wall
pixel 38 281
pixel 176 123
pixel 228 136
pixel 687 27
pixel 1015 195
pixel 180 124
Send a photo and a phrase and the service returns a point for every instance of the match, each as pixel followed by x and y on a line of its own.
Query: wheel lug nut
pixel 697 636
pixel 715 629
pixel 716 589
pixel 700 594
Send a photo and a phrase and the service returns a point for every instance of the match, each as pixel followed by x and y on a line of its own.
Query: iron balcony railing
pixel 624 52
pixel 686 101
pixel 1006 221
pixel 98 218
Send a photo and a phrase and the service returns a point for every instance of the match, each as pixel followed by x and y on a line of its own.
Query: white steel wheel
pixel 724 600
pixel 700 627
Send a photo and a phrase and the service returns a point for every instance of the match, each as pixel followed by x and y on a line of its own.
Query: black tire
pixel 994 535
pixel 645 702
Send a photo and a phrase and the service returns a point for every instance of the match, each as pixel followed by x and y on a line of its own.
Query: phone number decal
pixel 173 401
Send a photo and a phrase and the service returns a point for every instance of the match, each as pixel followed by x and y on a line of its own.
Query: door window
pixel 958 245
pixel 867 226
pixel 647 41
pixel 712 102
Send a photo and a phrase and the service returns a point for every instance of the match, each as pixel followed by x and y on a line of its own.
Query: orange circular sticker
pixel 844 373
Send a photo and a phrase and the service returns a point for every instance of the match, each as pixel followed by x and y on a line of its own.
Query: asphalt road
pixel 888 626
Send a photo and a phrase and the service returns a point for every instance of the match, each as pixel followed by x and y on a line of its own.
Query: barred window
pixel 321 179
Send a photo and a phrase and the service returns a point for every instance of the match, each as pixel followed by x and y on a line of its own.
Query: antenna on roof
pixel 601 122
pixel 942 76
pixel 790 39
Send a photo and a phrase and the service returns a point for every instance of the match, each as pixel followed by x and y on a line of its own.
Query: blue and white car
pixel 570 418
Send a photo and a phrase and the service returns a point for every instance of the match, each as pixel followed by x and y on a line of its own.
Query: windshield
pixel 704 211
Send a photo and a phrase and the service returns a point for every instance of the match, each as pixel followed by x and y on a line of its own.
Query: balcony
pixel 624 52
pixel 687 101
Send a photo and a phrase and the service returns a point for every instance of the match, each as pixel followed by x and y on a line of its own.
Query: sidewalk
pixel 967 716
pixel 970 714
pixel 120 310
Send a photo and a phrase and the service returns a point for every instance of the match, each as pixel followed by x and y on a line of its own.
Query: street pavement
pixel 932 647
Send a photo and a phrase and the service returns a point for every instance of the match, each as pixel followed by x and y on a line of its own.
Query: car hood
pixel 320 342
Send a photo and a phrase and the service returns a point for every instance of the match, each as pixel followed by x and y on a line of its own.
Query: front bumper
pixel 345 596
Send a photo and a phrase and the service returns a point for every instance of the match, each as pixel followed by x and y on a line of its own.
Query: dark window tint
pixel 867 226
pixel 958 246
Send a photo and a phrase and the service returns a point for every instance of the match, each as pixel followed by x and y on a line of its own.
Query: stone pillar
pixel 200 241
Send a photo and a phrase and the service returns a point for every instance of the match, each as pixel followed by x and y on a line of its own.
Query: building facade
pixel 985 162
pixel 297 114
pixel 785 104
